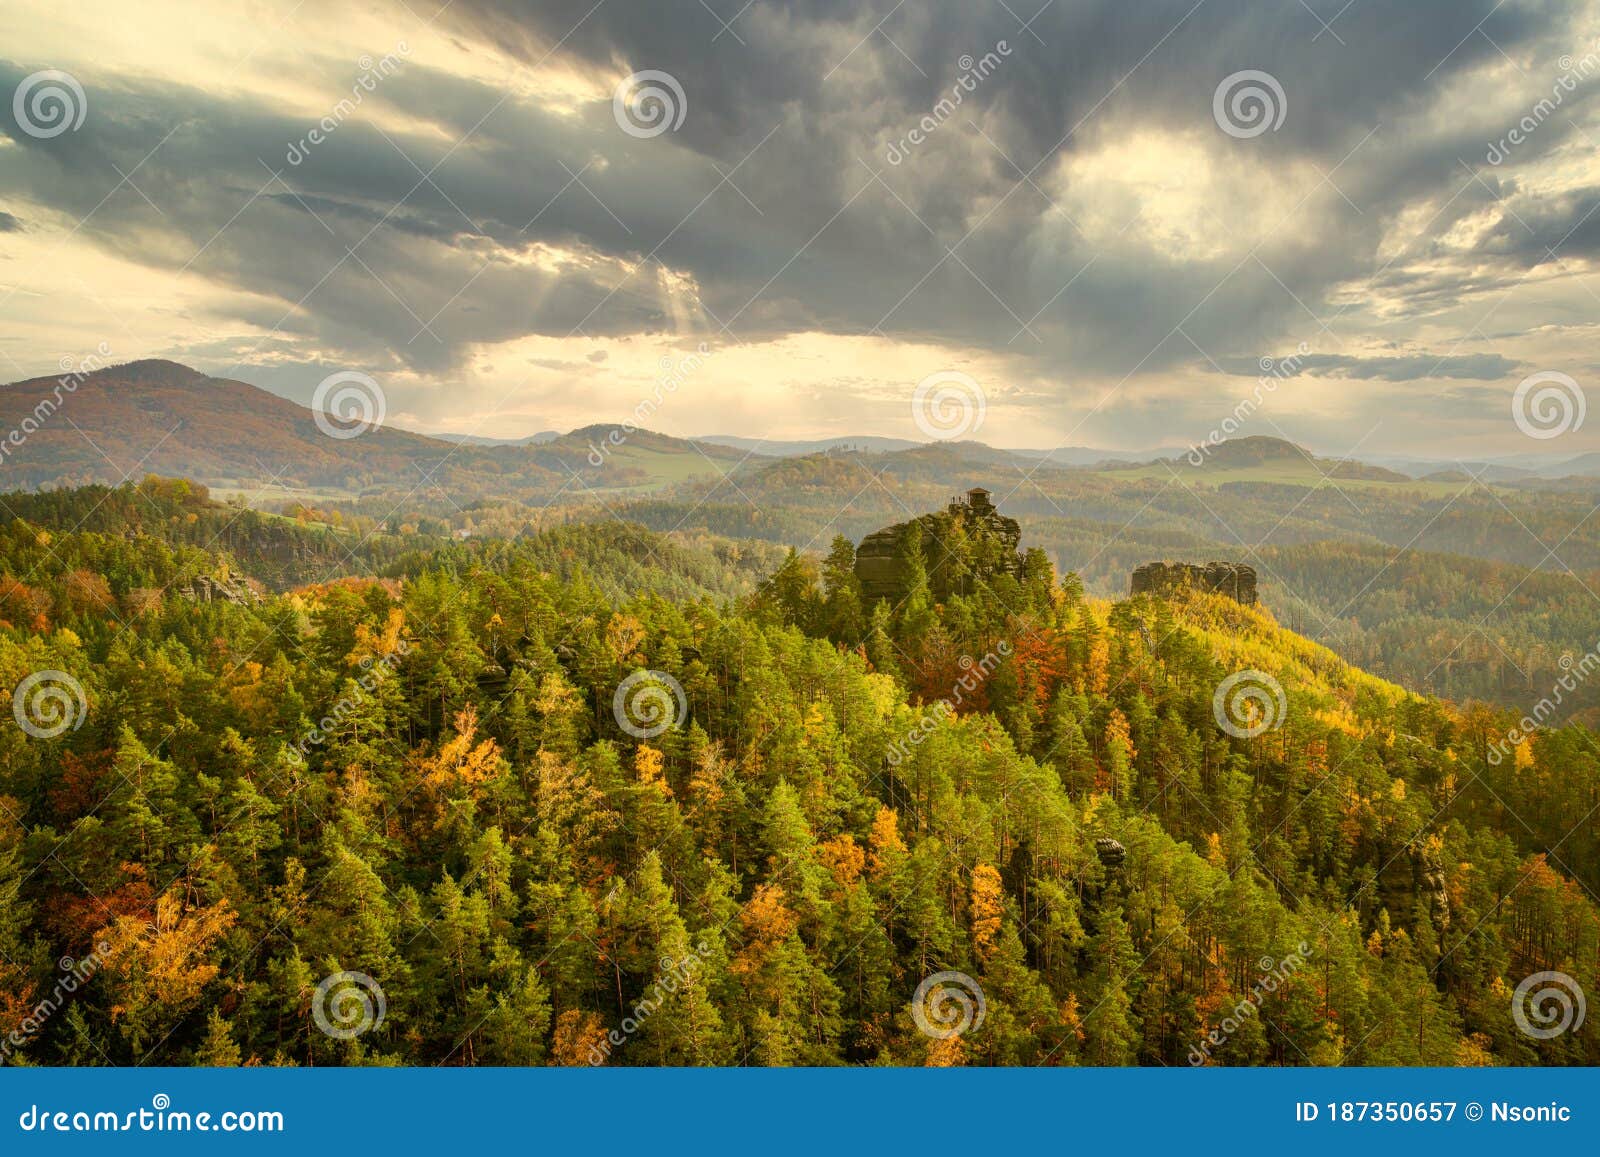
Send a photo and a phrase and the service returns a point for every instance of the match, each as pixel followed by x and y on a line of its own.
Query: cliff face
pixel 204 589
pixel 877 568
pixel 968 539
pixel 1235 580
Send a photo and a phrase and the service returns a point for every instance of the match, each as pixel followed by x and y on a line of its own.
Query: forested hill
pixel 210 538
pixel 506 795
pixel 159 416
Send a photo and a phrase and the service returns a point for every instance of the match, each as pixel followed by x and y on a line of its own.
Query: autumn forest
pixel 601 795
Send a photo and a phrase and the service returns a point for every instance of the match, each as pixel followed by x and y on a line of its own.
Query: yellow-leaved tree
pixel 159 964
pixel 988 903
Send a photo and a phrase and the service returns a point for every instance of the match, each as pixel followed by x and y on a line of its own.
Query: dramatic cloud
pixel 1058 198
pixel 1473 367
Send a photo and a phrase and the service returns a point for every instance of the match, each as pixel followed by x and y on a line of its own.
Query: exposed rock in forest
pixel 1110 851
pixel 205 589
pixel 1235 580
pixel 968 540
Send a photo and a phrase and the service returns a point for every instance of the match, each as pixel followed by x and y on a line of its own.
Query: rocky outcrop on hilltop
pixel 968 540
pixel 1235 580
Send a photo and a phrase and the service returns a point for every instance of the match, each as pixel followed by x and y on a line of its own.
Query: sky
pixel 1369 227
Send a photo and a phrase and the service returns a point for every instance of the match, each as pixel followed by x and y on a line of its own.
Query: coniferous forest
pixel 949 575
pixel 601 795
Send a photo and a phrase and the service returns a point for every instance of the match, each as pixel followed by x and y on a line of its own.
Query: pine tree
pixel 843 619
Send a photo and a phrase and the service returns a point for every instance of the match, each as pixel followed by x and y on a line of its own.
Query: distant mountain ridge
pixel 1259 450
pixel 538 439
pixel 161 417
pixel 767 448
pixel 164 418
pixel 871 443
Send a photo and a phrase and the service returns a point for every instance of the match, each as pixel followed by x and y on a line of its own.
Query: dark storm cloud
pixel 1102 70
pixel 365 255
pixel 1535 227
pixel 9 224
pixel 546 221
pixel 1069 63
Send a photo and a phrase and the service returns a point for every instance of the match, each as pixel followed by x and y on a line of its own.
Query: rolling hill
pixel 1259 458
pixel 159 417
pixel 164 418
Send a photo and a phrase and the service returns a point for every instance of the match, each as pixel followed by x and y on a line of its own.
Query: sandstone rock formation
pixel 205 589
pixel 1235 580
pixel 988 541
